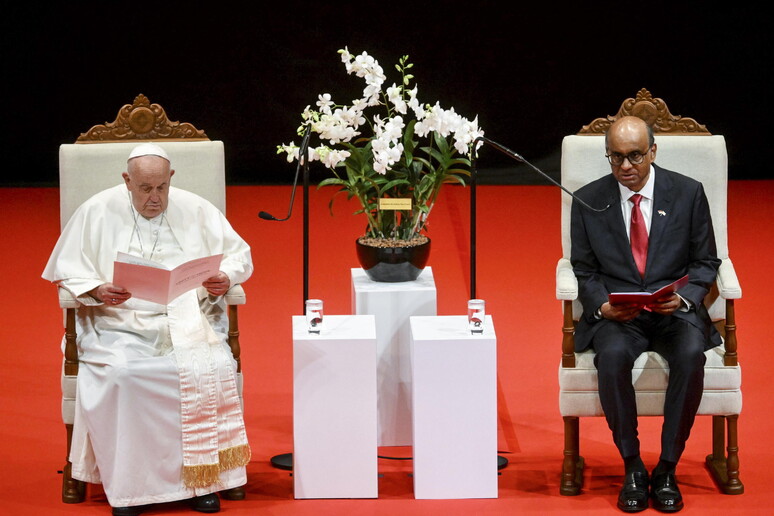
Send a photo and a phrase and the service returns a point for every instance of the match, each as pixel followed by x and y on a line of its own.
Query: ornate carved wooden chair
pixel 95 163
pixel 687 147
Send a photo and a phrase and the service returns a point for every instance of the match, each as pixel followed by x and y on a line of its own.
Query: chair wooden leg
pixel 725 468
pixel 572 466
pixel 73 491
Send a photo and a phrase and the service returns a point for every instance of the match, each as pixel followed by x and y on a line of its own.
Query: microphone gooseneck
pixel 518 157
pixel 303 157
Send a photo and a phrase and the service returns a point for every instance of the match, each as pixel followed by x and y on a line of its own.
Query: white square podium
pixel 393 304
pixel 334 408
pixel 454 384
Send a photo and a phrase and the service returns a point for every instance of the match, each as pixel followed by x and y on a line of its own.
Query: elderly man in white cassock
pixel 158 416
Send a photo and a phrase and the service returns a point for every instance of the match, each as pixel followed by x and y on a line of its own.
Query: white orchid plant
pixel 411 151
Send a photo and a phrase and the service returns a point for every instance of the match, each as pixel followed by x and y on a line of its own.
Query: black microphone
pixel 267 216
pixel 303 152
pixel 518 157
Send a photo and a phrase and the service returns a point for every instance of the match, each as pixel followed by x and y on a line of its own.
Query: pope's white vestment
pixel 158 416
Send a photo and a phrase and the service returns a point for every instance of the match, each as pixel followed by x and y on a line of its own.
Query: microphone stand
pixel 473 182
pixel 303 161
pixel 306 222
pixel 285 460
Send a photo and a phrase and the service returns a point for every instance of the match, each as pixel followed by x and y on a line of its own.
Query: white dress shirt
pixel 646 204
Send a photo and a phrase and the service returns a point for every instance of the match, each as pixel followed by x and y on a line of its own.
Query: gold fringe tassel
pixel 203 475
pixel 234 457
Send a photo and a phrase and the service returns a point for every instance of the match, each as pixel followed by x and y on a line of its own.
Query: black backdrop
pixel 243 72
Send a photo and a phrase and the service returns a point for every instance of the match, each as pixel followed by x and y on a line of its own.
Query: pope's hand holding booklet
pixel 153 282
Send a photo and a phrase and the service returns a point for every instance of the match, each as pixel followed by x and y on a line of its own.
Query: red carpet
pixel 518 249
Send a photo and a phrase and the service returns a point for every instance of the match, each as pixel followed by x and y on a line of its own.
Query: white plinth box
pixel 393 304
pixel 334 408
pixel 454 384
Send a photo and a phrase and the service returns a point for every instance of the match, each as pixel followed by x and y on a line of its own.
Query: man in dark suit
pixel 656 229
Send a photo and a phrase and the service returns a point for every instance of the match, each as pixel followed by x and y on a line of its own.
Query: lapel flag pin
pixel 662 213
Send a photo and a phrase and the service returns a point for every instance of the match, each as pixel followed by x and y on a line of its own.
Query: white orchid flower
pixel 353 117
pixel 394 95
pixel 330 157
pixel 414 104
pixel 466 135
pixel 346 57
pixel 290 149
pixel 309 114
pixel 363 63
pixel 393 129
pixel 324 102
pixel 335 157
pixel 371 94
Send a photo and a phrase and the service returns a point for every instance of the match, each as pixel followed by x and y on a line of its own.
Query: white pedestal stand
pixel 454 411
pixel 392 304
pixel 334 408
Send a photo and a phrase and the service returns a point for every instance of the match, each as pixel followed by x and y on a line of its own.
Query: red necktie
pixel 638 235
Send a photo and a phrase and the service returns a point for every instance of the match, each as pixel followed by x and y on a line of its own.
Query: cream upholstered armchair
pixel 686 147
pixel 94 163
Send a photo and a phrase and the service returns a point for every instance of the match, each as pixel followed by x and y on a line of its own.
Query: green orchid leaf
pixel 392 184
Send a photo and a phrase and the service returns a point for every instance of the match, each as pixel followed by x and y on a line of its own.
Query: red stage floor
pixel 518 248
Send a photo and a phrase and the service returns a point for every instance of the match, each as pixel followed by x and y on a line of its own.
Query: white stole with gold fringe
pixel 214 437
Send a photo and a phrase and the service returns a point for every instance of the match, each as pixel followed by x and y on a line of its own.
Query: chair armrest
pixel 66 299
pixel 728 283
pixel 566 282
pixel 236 296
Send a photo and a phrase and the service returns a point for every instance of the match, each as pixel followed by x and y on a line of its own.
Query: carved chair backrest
pixel 98 158
pixel 683 145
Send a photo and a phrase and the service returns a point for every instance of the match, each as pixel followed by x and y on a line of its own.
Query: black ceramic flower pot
pixel 393 264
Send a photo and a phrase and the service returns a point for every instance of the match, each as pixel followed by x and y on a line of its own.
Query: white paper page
pixel 138 260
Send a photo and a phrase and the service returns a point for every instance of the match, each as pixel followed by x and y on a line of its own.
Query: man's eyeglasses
pixel 635 158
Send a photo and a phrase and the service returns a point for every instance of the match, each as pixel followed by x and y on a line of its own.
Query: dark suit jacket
pixel 681 241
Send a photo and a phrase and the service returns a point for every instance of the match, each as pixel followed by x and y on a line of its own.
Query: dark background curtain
pixel 532 72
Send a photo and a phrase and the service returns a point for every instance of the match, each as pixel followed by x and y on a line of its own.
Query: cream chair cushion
pixel 722 386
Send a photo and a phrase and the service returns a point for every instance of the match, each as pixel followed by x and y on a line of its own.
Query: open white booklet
pixel 151 281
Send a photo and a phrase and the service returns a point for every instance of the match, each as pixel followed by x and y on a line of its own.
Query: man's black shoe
pixel 665 493
pixel 206 503
pixel 634 493
pixel 135 510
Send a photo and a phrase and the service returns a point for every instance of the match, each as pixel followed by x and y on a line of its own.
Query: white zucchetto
pixel 148 149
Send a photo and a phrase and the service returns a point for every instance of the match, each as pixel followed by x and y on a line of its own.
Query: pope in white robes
pixel 158 416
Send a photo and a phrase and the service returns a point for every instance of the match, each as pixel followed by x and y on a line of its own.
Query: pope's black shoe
pixel 128 511
pixel 206 503
pixel 634 493
pixel 235 493
pixel 665 493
